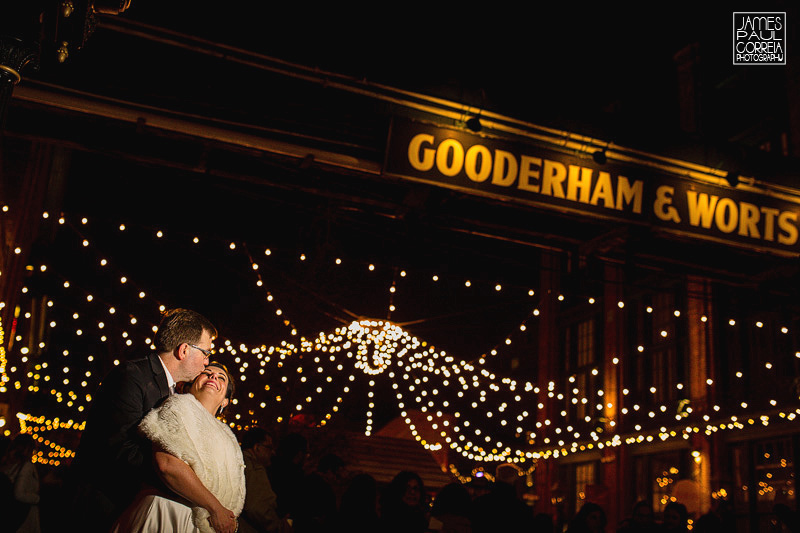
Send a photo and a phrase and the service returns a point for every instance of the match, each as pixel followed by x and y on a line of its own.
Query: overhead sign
pixel 554 180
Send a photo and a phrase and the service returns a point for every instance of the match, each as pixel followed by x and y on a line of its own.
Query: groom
pixel 113 459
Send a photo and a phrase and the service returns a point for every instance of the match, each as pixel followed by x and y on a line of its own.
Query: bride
pixel 207 495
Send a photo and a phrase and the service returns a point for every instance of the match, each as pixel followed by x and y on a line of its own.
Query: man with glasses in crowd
pixel 260 514
pixel 113 459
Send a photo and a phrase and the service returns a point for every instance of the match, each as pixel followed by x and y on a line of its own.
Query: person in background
pixel 502 509
pixel 318 512
pixel 591 518
pixel 286 473
pixel 22 511
pixel 450 512
pixel 642 519
pixel 676 518
pixel 113 459
pixel 404 505
pixel 260 513
pixel 719 519
pixel 358 511
pixel 478 485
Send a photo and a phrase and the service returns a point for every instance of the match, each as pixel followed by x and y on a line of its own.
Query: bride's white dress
pixel 153 512
pixel 185 429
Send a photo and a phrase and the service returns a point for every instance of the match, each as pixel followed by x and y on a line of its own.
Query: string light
pixel 372 350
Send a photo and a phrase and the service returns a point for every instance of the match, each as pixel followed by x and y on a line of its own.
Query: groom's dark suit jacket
pixel 113 458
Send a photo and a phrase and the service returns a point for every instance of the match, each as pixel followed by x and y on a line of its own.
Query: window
pixel 655 373
pixel 657 475
pixel 763 475
pixel 666 336
pixel 585 374
pixel 584 476
pixel 774 475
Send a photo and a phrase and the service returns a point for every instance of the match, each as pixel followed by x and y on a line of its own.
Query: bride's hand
pixel 223 520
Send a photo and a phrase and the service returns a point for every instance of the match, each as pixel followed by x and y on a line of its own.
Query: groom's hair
pixel 181 325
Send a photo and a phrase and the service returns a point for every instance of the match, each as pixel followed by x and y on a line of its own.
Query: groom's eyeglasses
pixel 207 353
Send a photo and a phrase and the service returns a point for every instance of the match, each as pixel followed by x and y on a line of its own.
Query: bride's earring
pixel 223 406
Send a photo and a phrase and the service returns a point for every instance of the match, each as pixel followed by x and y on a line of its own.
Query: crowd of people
pixel 155 456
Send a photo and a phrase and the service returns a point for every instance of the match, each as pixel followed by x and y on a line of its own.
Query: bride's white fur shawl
pixel 185 429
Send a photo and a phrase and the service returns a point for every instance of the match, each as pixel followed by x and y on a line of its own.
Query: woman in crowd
pixel 185 427
pixel 404 505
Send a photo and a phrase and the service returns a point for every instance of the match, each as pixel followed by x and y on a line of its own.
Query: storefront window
pixel 763 477
pixel 657 477
pixel 585 375
pixel 584 476
pixel 774 474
